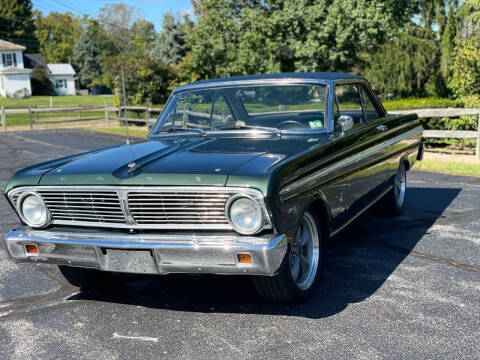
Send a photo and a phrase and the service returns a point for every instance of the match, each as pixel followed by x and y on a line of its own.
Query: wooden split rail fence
pixel 448 134
pixel 49 114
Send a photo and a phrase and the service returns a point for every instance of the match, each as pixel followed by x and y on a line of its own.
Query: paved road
pixel 402 288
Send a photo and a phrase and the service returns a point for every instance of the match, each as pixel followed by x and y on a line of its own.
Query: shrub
pixel 41 84
pixel 422 103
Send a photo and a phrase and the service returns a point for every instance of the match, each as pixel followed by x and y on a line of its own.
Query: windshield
pixel 282 107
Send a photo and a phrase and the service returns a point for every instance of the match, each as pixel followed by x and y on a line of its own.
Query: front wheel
pixel 300 270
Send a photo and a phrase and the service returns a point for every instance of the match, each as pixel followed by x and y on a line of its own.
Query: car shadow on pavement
pixel 356 264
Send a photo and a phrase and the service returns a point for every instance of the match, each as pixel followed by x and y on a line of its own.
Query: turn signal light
pixel 244 258
pixel 31 249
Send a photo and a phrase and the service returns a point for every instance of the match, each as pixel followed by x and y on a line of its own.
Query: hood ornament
pixel 132 166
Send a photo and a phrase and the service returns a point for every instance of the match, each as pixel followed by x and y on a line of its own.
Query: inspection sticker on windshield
pixel 316 124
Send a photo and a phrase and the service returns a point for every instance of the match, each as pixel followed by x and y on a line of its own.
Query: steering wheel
pixel 290 125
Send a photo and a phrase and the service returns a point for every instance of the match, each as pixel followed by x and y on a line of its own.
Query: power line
pixel 46 6
pixel 71 6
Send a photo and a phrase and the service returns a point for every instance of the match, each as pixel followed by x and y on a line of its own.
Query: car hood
pixel 172 161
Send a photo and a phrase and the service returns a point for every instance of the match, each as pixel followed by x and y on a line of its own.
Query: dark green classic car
pixel 244 175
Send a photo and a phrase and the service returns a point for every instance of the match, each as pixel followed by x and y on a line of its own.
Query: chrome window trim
pixel 368 88
pixel 122 193
pixel 283 81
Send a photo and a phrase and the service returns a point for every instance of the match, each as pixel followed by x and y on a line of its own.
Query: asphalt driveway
pixel 398 288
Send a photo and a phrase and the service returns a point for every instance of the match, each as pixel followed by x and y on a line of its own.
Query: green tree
pixel 117 20
pixel 143 35
pixel 146 80
pixel 465 79
pixel 169 46
pixel 252 36
pixel 406 66
pixel 16 23
pixel 41 84
pixel 87 60
pixel 99 37
pixel 57 34
pixel 447 47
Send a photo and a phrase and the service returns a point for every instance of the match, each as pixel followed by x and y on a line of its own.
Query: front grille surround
pixel 140 207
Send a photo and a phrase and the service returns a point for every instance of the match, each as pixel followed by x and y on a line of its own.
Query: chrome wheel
pixel 305 252
pixel 400 185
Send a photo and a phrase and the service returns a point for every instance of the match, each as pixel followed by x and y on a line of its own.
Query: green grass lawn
pixel 133 131
pixel 57 101
pixel 449 167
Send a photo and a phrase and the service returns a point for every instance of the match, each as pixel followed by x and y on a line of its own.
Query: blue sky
pixel 152 9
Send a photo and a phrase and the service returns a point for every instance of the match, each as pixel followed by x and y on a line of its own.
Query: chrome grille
pixel 178 207
pixel 139 207
pixel 98 206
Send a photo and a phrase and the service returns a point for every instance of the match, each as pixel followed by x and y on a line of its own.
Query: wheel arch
pixel 324 216
pixel 405 159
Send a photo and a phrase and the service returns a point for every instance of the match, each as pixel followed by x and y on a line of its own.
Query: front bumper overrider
pixel 150 253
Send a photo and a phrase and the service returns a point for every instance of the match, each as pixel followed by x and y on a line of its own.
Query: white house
pixel 62 77
pixel 14 78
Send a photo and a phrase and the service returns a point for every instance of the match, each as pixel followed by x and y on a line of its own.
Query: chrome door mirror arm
pixel 345 123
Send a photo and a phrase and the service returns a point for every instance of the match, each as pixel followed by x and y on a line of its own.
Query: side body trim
pixel 288 190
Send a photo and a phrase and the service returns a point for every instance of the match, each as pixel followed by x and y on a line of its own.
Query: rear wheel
pixel 300 271
pixel 89 279
pixel 393 202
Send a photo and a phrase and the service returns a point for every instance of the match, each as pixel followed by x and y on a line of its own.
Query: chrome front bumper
pixel 150 253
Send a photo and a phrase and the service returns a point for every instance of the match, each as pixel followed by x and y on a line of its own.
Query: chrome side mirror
pixel 150 125
pixel 345 123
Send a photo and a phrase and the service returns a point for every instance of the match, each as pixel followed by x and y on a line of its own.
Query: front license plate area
pixel 131 261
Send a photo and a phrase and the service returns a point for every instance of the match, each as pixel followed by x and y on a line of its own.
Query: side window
pixel 348 103
pixel 371 112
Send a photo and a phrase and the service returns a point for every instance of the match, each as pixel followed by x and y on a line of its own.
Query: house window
pixel 9 60
pixel 61 84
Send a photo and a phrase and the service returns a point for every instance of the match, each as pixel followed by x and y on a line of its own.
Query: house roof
pixel 7 45
pixel 15 70
pixel 60 69
pixel 29 60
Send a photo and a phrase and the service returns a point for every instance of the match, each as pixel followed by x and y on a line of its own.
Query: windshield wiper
pixel 175 128
pixel 243 126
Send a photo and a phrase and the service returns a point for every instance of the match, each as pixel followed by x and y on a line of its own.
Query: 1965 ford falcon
pixel 244 175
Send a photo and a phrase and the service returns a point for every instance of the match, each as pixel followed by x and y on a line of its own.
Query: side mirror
pixel 345 123
pixel 150 125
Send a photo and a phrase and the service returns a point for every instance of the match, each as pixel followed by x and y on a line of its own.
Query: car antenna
pixel 132 164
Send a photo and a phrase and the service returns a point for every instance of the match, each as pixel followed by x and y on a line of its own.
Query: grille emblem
pixel 123 197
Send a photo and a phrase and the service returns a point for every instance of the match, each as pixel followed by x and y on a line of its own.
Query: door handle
pixel 380 128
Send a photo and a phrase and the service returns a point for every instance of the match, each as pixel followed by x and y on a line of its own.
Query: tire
pixel 393 203
pixel 297 278
pixel 89 279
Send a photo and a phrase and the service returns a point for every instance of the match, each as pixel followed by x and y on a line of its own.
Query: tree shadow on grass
pixel 356 264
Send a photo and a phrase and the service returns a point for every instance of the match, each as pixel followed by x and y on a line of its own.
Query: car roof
pixel 325 76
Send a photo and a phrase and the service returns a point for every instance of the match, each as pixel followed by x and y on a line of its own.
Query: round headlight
pixel 34 211
pixel 245 215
